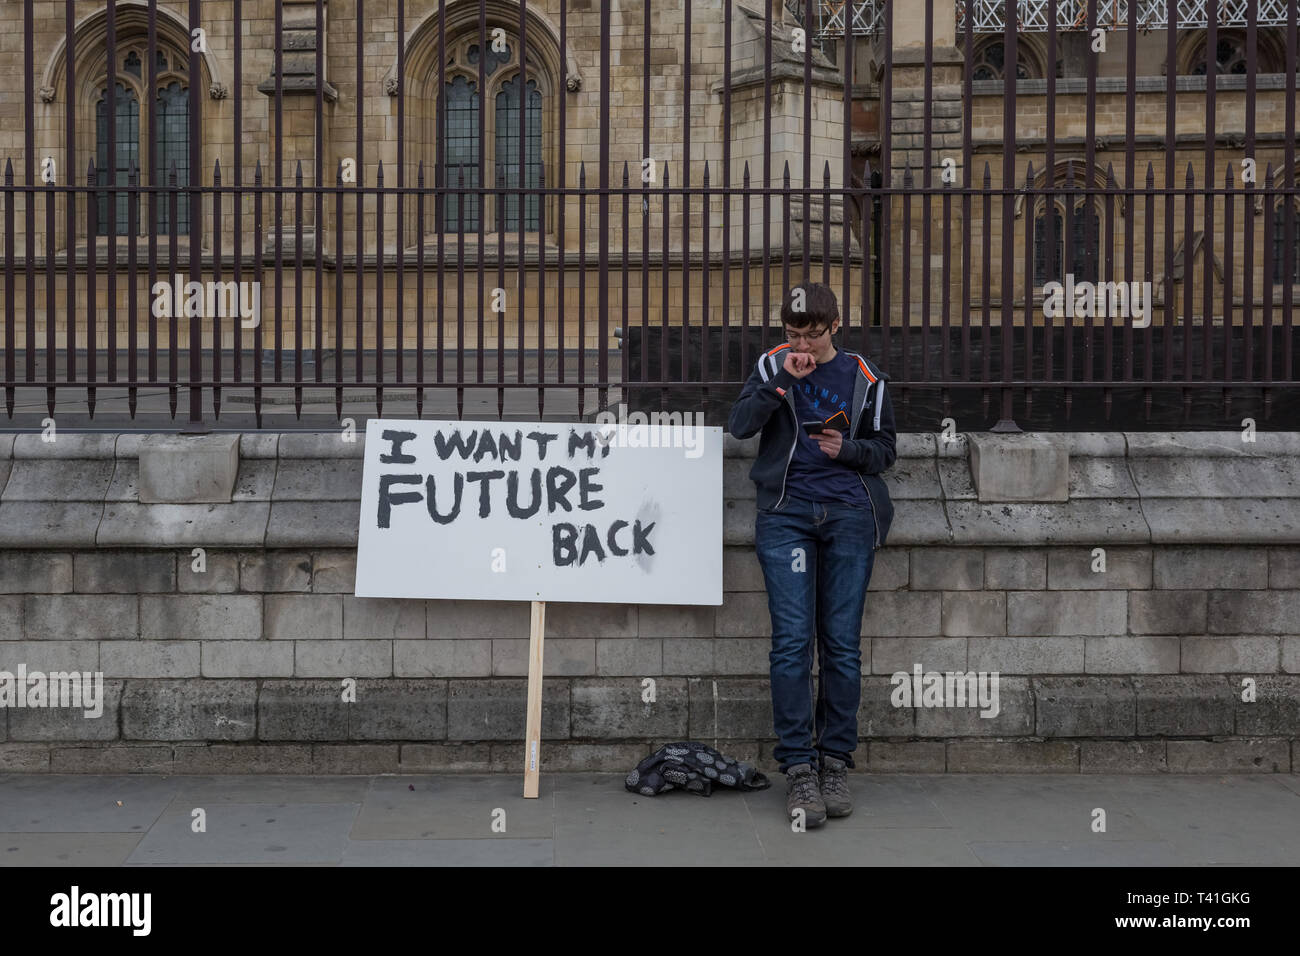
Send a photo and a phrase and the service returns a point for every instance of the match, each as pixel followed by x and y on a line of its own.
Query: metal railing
pixel 940 219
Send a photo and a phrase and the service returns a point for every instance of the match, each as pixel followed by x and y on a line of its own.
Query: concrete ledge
pixel 188 469
pixel 1019 467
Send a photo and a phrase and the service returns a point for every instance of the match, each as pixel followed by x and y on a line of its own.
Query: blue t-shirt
pixel 813 474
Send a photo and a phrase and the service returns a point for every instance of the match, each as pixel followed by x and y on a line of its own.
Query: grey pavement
pixel 590 819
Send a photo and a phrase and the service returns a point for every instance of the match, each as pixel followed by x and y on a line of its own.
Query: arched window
pixel 496 116
pixel 171 111
pixel 1082 266
pixel 460 152
pixel 1230 52
pixel 507 146
pixel 988 61
pixel 126 147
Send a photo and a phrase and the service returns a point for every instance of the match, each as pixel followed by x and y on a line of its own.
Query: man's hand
pixel 799 364
pixel 830 441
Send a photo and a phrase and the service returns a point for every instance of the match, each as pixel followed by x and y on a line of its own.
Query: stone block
pixel 921 756
pixel 1067 613
pixel 399 710
pixel 246 659
pixel 1026 467
pixel 35 572
pixel 382 618
pixel 275 571
pixel 1026 655
pixel 448 758
pixel 1131 654
pixel 188 469
pixel 306 524
pixel 877 715
pixel 675 620
pixel 1015 569
pixel 332 479
pixel 334 572
pixel 1259 755
pixel 80 617
pixel 1220 654
pixel 1011 713
pixel 49 524
pixel 343 659
pixel 967 614
pixel 689 656
pixel 740 709
pixel 623 657
pixel 132 525
pixel 613 708
pixel 149 658
pixel 467 658
pixel 947 569
pixel 1013 756
pixel 302 710
pixel 478 619
pixel 58 480
pixel 1184 706
pixel 498 709
pixel 902 614
pixel 225 617
pixel 189 710
pixel 1166 612
pixel 97 721
pixel 242 758
pixel 1193 569
pixel 355 758
pixel 1084 707
pixel 1275 711
pixel 125 572
pixel 1125 569
pixel 1123 756
pixel 124 758
pixel 219 574
pixel 1253 612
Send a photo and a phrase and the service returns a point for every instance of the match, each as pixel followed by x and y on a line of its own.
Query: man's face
pixel 814 341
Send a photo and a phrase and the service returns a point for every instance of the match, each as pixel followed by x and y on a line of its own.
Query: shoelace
pixel 804 787
pixel 836 781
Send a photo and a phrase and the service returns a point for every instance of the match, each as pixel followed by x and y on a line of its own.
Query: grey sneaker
pixel 803 793
pixel 835 787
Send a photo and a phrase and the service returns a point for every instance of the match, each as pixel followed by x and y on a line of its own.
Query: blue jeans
pixel 816 559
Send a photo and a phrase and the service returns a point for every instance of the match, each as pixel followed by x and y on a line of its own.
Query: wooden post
pixel 533 734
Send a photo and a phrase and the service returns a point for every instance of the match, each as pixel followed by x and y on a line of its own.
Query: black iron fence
pixel 1023 222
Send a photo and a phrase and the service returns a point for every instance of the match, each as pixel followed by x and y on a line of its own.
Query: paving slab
pixel 46 803
pixel 67 849
pixel 453 807
pixel 249 833
pixel 497 852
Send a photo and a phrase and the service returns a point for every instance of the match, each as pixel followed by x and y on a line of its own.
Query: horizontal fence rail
pixel 1083 214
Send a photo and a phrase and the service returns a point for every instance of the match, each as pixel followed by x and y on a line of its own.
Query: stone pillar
pixel 298 114
pixel 907 116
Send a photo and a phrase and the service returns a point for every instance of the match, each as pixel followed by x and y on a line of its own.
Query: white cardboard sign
pixel 541 511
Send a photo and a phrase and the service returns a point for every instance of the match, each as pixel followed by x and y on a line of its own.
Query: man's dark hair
pixel 820 307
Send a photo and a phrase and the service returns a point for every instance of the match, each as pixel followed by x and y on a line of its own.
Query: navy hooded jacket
pixel 868 446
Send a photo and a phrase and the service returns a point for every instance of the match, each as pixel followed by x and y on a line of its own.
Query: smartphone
pixel 812 428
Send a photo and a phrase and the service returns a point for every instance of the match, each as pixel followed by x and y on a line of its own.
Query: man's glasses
pixel 805 337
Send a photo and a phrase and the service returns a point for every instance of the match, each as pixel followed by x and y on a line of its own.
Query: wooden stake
pixel 533 733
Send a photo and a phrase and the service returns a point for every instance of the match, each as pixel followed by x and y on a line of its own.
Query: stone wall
pixel 239 668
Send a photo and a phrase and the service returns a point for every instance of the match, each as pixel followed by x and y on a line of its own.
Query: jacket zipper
pixel 790 457
pixel 875 523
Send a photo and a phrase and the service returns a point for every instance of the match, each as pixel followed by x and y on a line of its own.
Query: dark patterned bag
pixel 694 767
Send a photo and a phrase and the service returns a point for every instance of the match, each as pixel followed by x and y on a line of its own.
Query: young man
pixel 823 510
